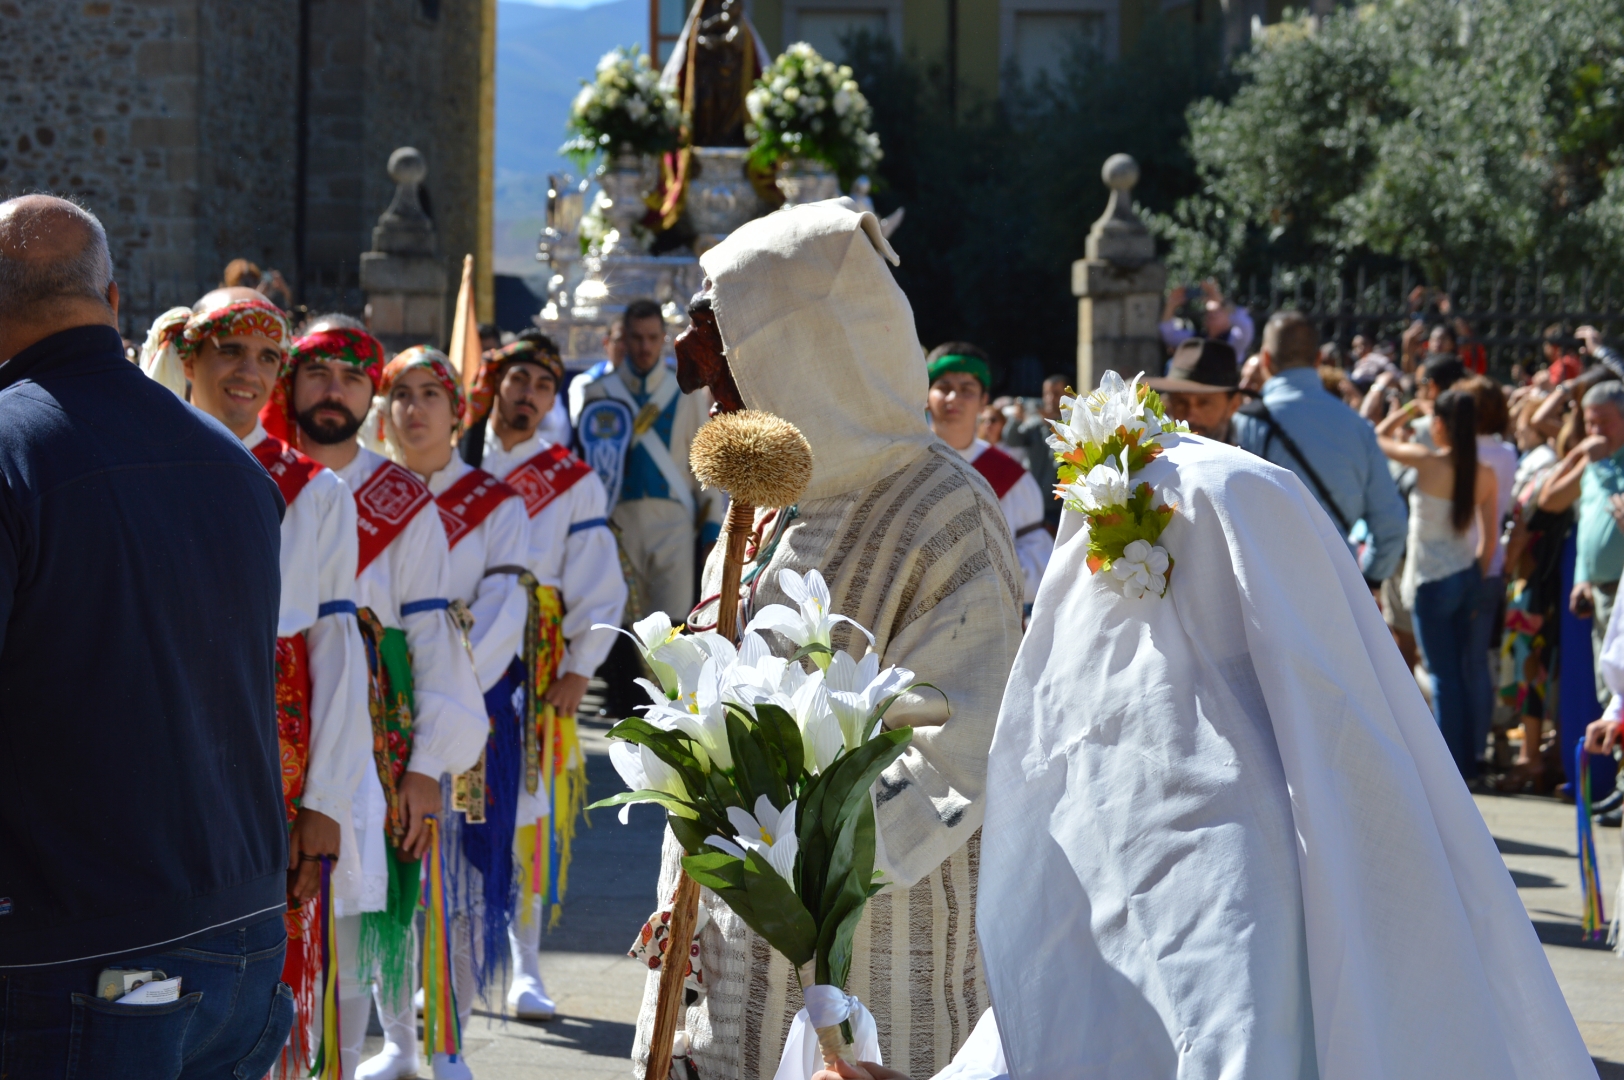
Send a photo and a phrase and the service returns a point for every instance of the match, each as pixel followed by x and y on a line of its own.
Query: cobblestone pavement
pixel 598 989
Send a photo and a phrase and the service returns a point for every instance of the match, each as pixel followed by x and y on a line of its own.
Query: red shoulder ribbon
pixel 547 476
pixel 384 505
pixel 290 469
pixel 1001 470
pixel 470 501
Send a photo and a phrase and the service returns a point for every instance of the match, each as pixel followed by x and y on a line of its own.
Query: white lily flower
pixel 668 653
pixel 768 831
pixel 756 675
pixel 642 770
pixel 822 739
pixel 856 688
pixel 705 721
pixel 1106 484
pixel 814 622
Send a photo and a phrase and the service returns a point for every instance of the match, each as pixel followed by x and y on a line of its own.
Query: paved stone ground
pixel 598 989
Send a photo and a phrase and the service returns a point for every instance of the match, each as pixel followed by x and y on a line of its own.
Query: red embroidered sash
pixel 546 476
pixel 470 501
pixel 384 505
pixel 293 716
pixel 1001 470
pixel 290 469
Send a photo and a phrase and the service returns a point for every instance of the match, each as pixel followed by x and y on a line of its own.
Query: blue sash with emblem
pixel 604 431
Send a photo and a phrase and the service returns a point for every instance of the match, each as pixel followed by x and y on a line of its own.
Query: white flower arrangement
pixel 807 107
pixel 622 108
pixel 1099 442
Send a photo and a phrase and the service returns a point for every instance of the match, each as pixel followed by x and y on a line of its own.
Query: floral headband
pixel 180 332
pixel 436 363
pixel 341 343
pixel 490 373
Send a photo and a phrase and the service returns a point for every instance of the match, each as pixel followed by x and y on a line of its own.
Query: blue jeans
pixel 231 1021
pixel 1480 691
pixel 1445 612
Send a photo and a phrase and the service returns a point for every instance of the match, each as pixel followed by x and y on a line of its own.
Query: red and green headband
pixel 342 344
pixel 436 363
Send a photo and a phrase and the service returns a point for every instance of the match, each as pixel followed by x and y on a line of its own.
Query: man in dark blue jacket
pixel 141 821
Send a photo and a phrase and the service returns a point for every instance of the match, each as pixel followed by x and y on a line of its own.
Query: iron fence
pixel 1507 312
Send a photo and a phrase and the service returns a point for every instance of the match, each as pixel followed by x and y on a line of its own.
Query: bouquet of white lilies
pixel 764 769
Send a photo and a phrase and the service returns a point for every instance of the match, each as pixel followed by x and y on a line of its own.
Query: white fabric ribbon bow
pixel 825 1007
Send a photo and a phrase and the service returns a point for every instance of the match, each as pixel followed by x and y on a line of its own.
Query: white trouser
pixel 658 537
pixel 352 995
pixel 399 1017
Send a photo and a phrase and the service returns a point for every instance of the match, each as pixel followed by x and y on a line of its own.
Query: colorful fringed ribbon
pixel 442 1030
pixel 326 1064
pixel 1595 920
pixel 555 767
pixel 488 846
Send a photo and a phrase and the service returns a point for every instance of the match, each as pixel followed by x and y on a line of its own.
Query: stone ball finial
pixel 1120 172
pixel 406 166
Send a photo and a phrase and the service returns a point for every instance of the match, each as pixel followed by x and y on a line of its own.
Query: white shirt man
pixel 661 511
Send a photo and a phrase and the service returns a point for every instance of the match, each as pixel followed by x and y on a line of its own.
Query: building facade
pixel 202 131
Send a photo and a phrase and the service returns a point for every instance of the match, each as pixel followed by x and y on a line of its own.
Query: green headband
pixel 974 365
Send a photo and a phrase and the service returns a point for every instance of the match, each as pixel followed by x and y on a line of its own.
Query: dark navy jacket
pixel 140 780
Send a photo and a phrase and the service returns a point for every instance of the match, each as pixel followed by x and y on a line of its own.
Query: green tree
pixel 1459 136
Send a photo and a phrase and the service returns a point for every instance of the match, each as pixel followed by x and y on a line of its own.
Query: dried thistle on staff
pixel 757 458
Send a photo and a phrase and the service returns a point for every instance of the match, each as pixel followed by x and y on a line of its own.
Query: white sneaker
pixel 452 1067
pixel 529 1000
pixel 392 1063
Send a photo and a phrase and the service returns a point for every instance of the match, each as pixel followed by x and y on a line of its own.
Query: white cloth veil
pixel 1223 834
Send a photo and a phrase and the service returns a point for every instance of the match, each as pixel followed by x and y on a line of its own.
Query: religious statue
pixel 717 60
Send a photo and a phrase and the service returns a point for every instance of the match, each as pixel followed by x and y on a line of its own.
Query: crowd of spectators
pixel 1484 508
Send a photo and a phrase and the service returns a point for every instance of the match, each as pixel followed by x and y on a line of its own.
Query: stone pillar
pixel 1119 287
pixel 402 276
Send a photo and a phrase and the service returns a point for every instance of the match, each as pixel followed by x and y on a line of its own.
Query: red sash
pixel 1001 470
pixel 293 716
pixel 470 501
pixel 290 469
pixel 384 505
pixel 546 476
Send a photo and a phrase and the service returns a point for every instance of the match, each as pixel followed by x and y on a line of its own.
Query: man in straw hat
pixel 426 712
pixel 229 349
pixel 801 317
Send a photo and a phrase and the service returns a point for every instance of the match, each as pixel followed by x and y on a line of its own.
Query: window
pixel 1045 39
pixel 668 17
pixel 825 30
pixel 1038 35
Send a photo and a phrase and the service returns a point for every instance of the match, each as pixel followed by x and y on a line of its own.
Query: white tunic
pixel 1023 509
pixel 318 567
pixel 449 725
pixel 571 549
pixel 497 601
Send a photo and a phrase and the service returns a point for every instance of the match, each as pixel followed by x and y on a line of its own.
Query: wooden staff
pixel 760 460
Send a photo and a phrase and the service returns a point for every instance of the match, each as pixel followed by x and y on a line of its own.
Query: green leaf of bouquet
pixel 691 833
pixel 814 841
pixel 783 739
pixel 647 795
pixel 846 894
pixel 780 917
pixel 715 869
pixel 855 775
pixel 811 648
pixel 752 769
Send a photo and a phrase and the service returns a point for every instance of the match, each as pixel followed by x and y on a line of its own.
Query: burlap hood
pixel 818 332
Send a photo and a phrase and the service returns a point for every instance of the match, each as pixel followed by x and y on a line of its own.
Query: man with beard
pixel 571 553
pixel 801 317
pixel 230 348
pixel 427 714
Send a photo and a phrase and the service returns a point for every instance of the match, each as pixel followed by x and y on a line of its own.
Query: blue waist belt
pixel 589 523
pixel 415 607
pixel 336 607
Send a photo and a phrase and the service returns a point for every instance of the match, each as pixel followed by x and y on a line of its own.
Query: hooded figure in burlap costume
pixel 914 547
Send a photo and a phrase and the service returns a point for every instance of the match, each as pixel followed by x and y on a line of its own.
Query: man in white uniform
pixel 662 511
pixel 960 380
pixel 428 716
pixel 486 527
pixel 230 347
pixel 573 557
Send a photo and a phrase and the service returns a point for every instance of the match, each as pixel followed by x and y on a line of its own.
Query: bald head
pixel 52 262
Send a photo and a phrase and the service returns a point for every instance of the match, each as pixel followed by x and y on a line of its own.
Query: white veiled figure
pixel 1224 837
pixel 913 546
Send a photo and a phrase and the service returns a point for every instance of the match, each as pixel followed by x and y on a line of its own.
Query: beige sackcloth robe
pixel 914 547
